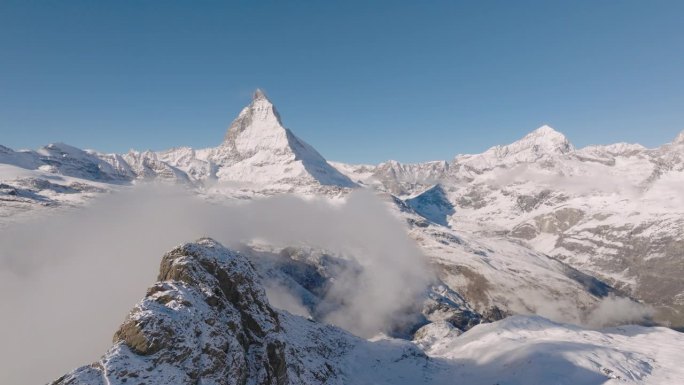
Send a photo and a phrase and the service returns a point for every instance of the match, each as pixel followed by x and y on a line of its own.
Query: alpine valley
pixel 546 264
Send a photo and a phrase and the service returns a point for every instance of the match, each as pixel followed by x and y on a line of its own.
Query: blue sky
pixel 361 81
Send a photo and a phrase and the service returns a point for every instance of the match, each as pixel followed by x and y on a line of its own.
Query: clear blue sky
pixel 361 81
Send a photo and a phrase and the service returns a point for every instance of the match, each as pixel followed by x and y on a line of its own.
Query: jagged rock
pixel 206 320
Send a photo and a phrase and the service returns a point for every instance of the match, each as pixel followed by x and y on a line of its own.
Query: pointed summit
pixel 679 139
pixel 545 130
pixel 258 148
pixel 260 115
pixel 259 94
pixel 540 141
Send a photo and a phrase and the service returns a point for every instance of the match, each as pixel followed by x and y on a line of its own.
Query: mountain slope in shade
pixel 433 204
pixel 207 321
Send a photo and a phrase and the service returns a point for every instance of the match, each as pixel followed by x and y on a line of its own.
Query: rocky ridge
pixel 207 320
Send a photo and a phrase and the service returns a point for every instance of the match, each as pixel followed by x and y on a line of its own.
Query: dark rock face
pixel 528 203
pixel 206 320
pixel 444 304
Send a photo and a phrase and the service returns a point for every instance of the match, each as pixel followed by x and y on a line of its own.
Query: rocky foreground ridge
pixel 207 321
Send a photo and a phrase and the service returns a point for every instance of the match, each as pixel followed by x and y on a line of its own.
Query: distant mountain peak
pixel 679 139
pixel 540 143
pixel 544 139
pixel 258 148
pixel 259 94
pixel 260 115
pixel 546 131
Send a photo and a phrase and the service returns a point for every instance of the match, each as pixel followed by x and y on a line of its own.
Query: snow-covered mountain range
pixel 536 228
pixel 615 212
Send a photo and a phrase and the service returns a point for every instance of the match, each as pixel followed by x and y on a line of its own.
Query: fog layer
pixel 67 281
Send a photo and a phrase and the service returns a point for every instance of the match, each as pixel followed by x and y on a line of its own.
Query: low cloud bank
pixel 613 311
pixel 68 280
pixel 608 311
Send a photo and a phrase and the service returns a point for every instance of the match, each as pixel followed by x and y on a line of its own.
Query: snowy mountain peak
pixel 259 149
pixel 548 138
pixel 259 94
pixel 546 130
pixel 258 121
pixel 542 141
pixel 679 139
pixel 538 144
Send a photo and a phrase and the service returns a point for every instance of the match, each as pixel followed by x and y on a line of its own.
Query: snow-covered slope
pixel 524 350
pixel 60 158
pixel 498 277
pixel 25 192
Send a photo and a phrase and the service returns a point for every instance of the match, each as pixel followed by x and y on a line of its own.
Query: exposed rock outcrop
pixel 206 320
